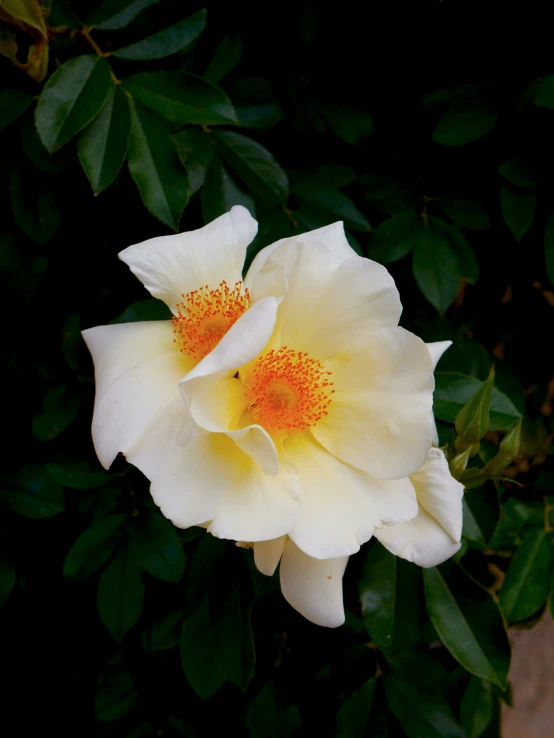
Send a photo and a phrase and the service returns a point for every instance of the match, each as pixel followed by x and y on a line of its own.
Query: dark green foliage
pixel 154 118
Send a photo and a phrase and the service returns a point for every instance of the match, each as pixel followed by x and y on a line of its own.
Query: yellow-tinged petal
pixel 171 266
pixel 340 506
pixel 312 586
pixel 381 418
pixel 434 535
pixel 212 479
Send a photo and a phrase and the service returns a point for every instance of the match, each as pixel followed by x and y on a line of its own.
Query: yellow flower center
pixel 288 391
pixel 205 316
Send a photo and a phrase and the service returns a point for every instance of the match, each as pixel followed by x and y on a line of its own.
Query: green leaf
pixel 266 718
pixel 149 309
pixel 331 200
pixel 481 514
pixel 7 582
pixel 156 168
pixel 116 14
pixel 467 263
pixel 77 475
pixel 254 164
pixel 120 593
pixel 518 211
pixel 158 547
pixel 169 41
pixel 40 496
pixel 519 171
pixel 102 146
pixel 395 237
pixel 436 267
pixel 353 126
pixel 200 656
pixel 456 128
pixel 220 193
pixel 94 547
pixel 196 150
pixel 477 708
pixel 116 696
pixel 390 596
pixel 35 151
pixel 468 622
pixel 354 713
pixel 259 116
pixel 472 422
pixel 544 95
pixel 182 97
pixel 225 59
pixel 71 98
pixel 453 390
pixel 466 214
pixel 165 633
pixel 549 247
pixel 28 11
pixel 13 103
pixel 59 410
pixel 420 712
pixel 35 203
pixel 527 583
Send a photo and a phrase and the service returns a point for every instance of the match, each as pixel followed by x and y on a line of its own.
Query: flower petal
pixel 340 505
pixel 437 349
pixel 142 415
pixel 331 236
pixel 212 479
pixel 381 418
pixel 117 348
pixel 267 554
pixel 170 266
pixel 313 586
pixel 434 535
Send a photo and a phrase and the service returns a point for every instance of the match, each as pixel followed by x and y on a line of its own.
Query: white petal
pixel 331 236
pixel 437 349
pixel 141 414
pixel 212 479
pixel 267 554
pixel 341 505
pixel 312 586
pixel 381 418
pixel 170 266
pixel 117 348
pixel 434 535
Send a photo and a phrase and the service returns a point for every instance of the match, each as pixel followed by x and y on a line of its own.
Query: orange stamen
pixel 205 316
pixel 288 391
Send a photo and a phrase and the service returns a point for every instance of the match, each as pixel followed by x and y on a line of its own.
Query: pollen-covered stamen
pixel 288 391
pixel 205 316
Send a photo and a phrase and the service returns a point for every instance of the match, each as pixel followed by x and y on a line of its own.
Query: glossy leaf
pixel 466 214
pixel 330 199
pixel 39 495
pixel 467 263
pixel 35 151
pixel 200 654
pixel 225 59
pixel 353 126
pixel 158 548
pixel 156 168
pixel 453 390
pixel 468 622
pixel 477 708
pixel 254 164
pixel 456 128
pixel 519 171
pixel 13 103
pixel 354 712
pixel 116 14
pixel 420 712
pixel 182 98
pixel 7 582
pixel 71 98
pixel 436 268
pixel 120 593
pixel 196 150
pixel 169 41
pixel 528 579
pixel 94 547
pixel 481 513
pixel 220 193
pixel 395 237
pixel 102 147
pixel 472 422
pixel 518 211
pixel 390 596
pixel 77 475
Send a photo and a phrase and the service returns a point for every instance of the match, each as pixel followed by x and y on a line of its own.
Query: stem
pixel 85 32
